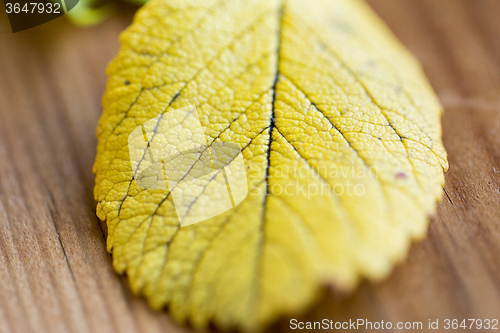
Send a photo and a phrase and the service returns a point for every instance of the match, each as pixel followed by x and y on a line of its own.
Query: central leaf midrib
pixel 260 247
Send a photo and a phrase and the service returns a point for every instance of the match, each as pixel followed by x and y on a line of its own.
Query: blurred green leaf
pixel 86 12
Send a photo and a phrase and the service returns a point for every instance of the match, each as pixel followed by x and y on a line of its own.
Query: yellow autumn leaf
pixel 338 137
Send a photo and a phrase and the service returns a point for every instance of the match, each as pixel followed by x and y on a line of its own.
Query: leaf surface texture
pixel 313 86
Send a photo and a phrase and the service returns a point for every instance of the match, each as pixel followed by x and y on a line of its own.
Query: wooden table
pixel 55 273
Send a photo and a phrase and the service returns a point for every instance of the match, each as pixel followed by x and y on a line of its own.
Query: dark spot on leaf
pixel 343 26
pixel 127 82
pixel 401 175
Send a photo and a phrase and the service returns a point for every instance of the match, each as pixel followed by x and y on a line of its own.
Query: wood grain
pixel 55 273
